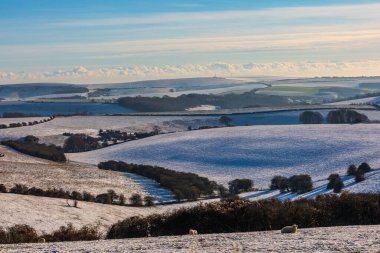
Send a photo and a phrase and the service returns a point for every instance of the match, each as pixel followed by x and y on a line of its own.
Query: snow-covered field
pixel 51 132
pixel 256 152
pixel 16 168
pixel 322 240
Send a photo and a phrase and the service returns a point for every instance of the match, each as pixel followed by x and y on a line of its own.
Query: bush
pixel 333 179
pixel 344 116
pixel 310 117
pixel 136 200
pixel 364 167
pixel 279 183
pixel 300 184
pixel 240 185
pixel 359 177
pixel 149 200
pixel 338 187
pixel 3 189
pixel 242 216
pixel 335 182
pixel 352 170
pixel 21 234
pixel 69 233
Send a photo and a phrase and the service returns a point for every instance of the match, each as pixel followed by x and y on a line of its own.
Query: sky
pixel 96 41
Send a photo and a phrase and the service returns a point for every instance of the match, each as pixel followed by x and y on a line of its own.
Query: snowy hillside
pixel 51 132
pixel 256 152
pixel 47 214
pixel 16 168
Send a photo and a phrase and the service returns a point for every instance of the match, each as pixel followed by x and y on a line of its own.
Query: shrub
pixel 69 233
pixel 240 185
pixel 344 116
pixel 136 200
pixel 21 234
pixel 223 192
pixel 352 170
pixel 310 117
pixel 279 183
pixel 3 189
pixel 335 182
pixel 338 186
pixel 359 177
pixel 149 200
pixel 364 167
pixel 333 179
pixel 300 184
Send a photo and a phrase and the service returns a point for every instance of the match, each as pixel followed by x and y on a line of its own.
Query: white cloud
pixel 82 74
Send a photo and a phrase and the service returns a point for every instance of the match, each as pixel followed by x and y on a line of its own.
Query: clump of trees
pixel 237 215
pixel 346 116
pixel 280 183
pixel 50 152
pixel 136 200
pixel 335 183
pixel 341 116
pixel 311 117
pixel 183 185
pixel 240 185
pixel 225 120
pixel 296 184
pixel 80 143
pixel 359 172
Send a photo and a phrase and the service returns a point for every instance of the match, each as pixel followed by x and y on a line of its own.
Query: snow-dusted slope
pixel 256 152
pixel 47 214
pixel 17 168
pixel 322 240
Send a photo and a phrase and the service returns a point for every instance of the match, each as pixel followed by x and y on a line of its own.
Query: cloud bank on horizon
pixel 118 41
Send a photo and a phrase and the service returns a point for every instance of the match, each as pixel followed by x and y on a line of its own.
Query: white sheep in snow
pixel 290 229
pixel 41 240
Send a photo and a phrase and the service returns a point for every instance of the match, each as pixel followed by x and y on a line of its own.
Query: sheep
pixel 290 229
pixel 193 232
pixel 41 240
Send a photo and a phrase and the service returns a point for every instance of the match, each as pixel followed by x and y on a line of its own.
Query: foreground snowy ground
pixel 332 239
pixel 48 214
pixel 256 152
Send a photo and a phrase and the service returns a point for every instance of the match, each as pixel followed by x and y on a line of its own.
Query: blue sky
pixel 114 40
